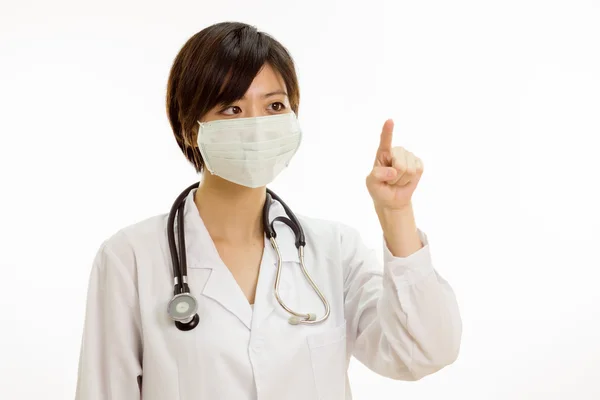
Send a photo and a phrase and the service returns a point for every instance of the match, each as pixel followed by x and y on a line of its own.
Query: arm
pixel 110 358
pixel 405 319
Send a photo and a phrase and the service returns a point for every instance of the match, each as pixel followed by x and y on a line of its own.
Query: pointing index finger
pixel 385 143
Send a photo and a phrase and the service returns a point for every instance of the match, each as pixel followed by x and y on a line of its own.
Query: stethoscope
pixel 183 307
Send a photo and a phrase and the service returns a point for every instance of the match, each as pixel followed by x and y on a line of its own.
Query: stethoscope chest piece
pixel 182 307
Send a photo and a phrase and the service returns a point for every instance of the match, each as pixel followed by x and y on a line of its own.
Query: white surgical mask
pixel 249 151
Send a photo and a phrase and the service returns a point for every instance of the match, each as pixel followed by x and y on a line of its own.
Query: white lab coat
pixel 402 321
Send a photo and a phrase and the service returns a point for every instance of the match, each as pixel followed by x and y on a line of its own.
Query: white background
pixel 500 99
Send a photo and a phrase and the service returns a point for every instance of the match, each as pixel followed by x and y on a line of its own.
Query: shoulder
pixel 125 244
pixel 335 243
pixel 328 230
pixel 115 270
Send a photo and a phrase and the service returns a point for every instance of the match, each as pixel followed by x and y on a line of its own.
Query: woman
pixel 232 102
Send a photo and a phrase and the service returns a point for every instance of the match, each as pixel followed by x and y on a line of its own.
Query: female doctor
pixel 257 317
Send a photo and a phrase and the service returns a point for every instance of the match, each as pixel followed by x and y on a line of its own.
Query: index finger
pixel 385 142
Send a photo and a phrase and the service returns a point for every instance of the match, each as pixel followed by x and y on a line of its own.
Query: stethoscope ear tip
pixel 297 320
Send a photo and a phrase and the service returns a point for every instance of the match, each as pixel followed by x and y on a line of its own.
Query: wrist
pixel 399 230
pixel 395 215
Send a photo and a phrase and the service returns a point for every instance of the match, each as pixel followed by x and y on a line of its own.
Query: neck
pixel 230 212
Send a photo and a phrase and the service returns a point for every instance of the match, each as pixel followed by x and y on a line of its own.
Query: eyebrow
pixel 282 92
pixel 266 95
pixel 275 92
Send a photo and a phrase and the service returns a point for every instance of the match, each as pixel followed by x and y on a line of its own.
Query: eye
pixel 231 110
pixel 277 106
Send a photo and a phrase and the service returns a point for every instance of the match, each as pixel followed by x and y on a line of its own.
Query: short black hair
pixel 217 66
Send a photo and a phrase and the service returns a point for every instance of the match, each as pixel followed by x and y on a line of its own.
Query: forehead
pixel 267 80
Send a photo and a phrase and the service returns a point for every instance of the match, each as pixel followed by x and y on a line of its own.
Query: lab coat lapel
pixel 265 303
pixel 207 274
pixel 222 288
